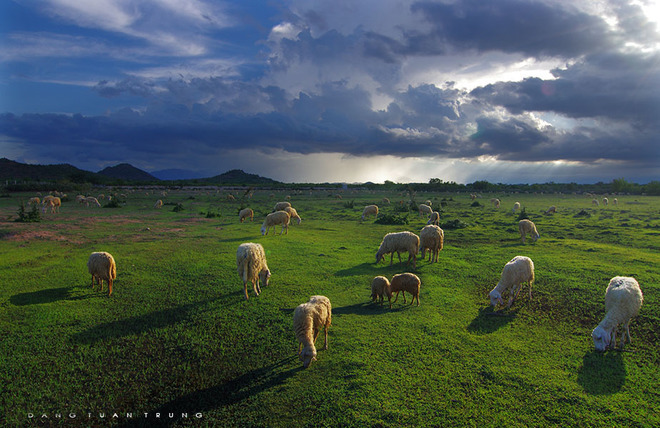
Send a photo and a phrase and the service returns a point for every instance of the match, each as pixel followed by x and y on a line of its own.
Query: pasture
pixel 177 337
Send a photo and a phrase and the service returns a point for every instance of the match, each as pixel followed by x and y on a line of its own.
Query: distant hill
pixel 125 171
pixel 239 177
pixel 176 174
pixel 12 170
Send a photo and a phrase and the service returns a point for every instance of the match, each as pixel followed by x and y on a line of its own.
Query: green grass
pixel 177 335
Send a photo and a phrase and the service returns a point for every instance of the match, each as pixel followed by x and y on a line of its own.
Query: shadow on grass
pixel 489 321
pixel 366 308
pixel 356 270
pixel 49 295
pixel 229 393
pixel 602 372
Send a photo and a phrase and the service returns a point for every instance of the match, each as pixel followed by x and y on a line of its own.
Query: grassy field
pixel 178 340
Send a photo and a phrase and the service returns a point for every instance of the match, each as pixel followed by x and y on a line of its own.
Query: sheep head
pixel 264 276
pixel 601 338
pixel 307 355
pixel 263 230
pixel 495 298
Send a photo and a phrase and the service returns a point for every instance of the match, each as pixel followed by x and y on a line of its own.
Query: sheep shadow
pixel 232 392
pixel 489 321
pixel 49 295
pixel 366 308
pixel 602 373
pixel 356 270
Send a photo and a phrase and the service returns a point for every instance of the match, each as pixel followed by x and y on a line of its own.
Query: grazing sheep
pixel 293 213
pixel 428 202
pixel 272 219
pixel 80 199
pixel 623 298
pixel 595 202
pixel 52 202
pixel 308 320
pixel 434 219
pixel 431 237
pixel 34 201
pixel 551 210
pixel 91 200
pixel 405 282
pixel 425 210
pixel 245 214
pixel 230 197
pixel 527 227
pixel 520 269
pixel 516 206
pixel 495 202
pixel 473 196
pixel 386 201
pixel 615 201
pixel 370 210
pixel 101 266
pixel 399 242
pixel 380 287
pixel 158 204
pixel 281 205
pixel 251 266
pixel 605 201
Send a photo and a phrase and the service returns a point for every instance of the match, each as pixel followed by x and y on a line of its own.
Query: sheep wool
pixel 308 320
pixel 551 210
pixel 101 265
pixel 380 287
pixel 516 206
pixel 527 227
pixel 405 282
pixel 370 210
pixel 425 210
pixel 273 219
pixel 246 213
pixel 431 237
pixel 397 243
pixel 252 267
pixel 434 219
pixel 517 271
pixel 158 204
pixel 293 213
pixel 281 205
pixel 623 299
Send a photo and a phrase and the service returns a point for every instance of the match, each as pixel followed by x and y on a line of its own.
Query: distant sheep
pixel 605 201
pixel 308 320
pixel 230 197
pixel 495 202
pixel 380 287
pixel 425 210
pixel 615 201
pixel 370 210
pixel 51 202
pixel 293 213
pixel 595 202
pixel 434 219
pixel 273 219
pixel 405 282
pixel 551 210
pixel 527 227
pixel 252 267
pixel 473 196
pixel 246 213
pixel 517 271
pixel 398 243
pixel 623 299
pixel 91 200
pixel 386 201
pixel 102 267
pixel 158 204
pixel 281 205
pixel 34 201
pixel 516 206
pixel 428 202
pixel 431 237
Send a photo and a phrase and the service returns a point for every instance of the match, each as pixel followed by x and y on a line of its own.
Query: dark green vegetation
pixel 177 336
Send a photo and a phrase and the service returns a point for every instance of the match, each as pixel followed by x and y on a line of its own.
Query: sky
pixel 508 91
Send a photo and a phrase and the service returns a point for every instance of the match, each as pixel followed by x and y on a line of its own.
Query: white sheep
pixel 623 298
pixel 91 200
pixel 101 265
pixel 370 210
pixel 252 267
pixel 615 201
pixel 517 271
pixel 34 201
pixel 273 219
pixel 158 204
pixel 293 213
pixel 495 202
pixel 434 218
pixel 431 237
pixel 380 287
pixel 52 202
pixel 428 202
pixel 386 201
pixel 281 205
pixel 246 213
pixel 527 227
pixel 308 320
pixel 551 210
pixel 397 243
pixel 405 282
pixel 425 210
pixel 595 202
pixel 516 206
pixel 605 201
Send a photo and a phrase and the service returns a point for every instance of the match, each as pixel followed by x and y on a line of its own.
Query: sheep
pixel 527 227
pixel 495 202
pixel 281 205
pixel 520 269
pixel 91 200
pixel 595 202
pixel 473 196
pixel 80 199
pixel 52 202
pixel 370 210
pixel 252 267
pixel 308 320
pixel 425 209
pixel 293 213
pixel 551 210
pixel 431 237
pixel 380 287
pixel 158 204
pixel 101 265
pixel 605 201
pixel 272 219
pixel 386 201
pixel 516 206
pixel 434 219
pixel 615 201
pixel 623 298
pixel 398 242
pixel 245 214
pixel 34 201
pixel 428 202
pixel 230 197
pixel 405 282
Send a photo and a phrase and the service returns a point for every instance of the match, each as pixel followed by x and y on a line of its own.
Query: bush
pixel 453 224
pixel 31 216
pixel 178 207
pixel 392 219
pixel 476 204
pixel 349 204
pixel 114 203
pixel 523 215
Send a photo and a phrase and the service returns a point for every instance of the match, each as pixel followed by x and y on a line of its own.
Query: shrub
pixel 453 224
pixel 349 204
pixel 114 203
pixel 392 219
pixel 523 214
pixel 31 216
pixel 476 204
pixel 178 207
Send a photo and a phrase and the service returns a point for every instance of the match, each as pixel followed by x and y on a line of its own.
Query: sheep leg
pixel 325 344
pixel 404 295
pixel 255 286
pixel 391 258
pixel 613 341
pixel 399 255
pixel 109 287
pixel 396 298
pixel 245 289
pixel 530 289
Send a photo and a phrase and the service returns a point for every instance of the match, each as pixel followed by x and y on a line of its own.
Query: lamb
pixel 158 204
pixel 406 282
pixel 551 210
pixel 101 265
pixel 370 210
pixel 623 298
pixel 245 214
pixel 272 219
pixel 251 266
pixel 91 200
pixel 425 209
pixel 495 202
pixel 527 227
pixel 434 219
pixel 281 205
pixel 308 320
pixel 380 287
pixel 431 237
pixel 516 206
pixel 398 242
pixel 520 269
pixel 293 213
